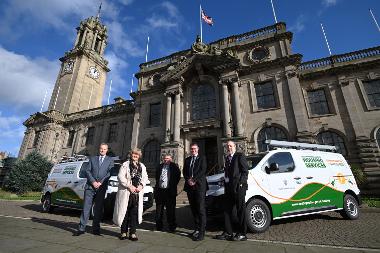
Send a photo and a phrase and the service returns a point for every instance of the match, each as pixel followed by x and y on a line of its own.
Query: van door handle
pixel 309 177
pixel 76 182
pixel 297 178
pixel 68 182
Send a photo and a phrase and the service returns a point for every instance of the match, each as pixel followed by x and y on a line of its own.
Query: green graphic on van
pixel 313 195
pixel 313 162
pixel 66 196
pixel 69 170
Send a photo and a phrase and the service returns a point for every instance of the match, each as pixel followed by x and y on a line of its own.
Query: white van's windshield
pixel 115 170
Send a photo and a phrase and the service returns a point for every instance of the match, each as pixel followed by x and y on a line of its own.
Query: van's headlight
pixel 221 182
pixel 113 183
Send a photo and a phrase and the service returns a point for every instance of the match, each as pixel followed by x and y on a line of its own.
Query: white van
pixel 64 187
pixel 293 180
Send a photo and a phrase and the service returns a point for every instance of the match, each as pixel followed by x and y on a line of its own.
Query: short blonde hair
pixel 136 151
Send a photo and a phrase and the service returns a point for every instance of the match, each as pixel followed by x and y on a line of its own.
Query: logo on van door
pixel 69 170
pixel 313 162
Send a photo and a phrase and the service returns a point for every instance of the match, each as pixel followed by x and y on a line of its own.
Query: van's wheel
pixel 350 208
pixel 258 216
pixel 46 204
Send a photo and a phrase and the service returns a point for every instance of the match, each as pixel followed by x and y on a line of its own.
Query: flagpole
pixel 374 19
pixel 109 93
pixel 327 43
pixel 56 98
pixel 200 20
pixel 132 85
pixel 274 12
pixel 43 102
pixel 147 49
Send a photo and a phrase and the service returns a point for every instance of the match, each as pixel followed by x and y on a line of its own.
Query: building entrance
pixel 208 147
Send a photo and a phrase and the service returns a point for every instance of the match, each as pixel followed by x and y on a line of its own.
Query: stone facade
pixel 247 88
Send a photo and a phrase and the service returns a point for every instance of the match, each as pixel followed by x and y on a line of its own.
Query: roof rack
pixel 299 145
pixel 75 158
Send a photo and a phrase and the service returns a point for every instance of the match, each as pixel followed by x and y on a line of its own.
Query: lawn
pixel 26 196
pixel 372 201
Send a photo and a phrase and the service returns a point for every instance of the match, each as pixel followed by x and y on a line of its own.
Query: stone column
pixel 168 114
pixel 237 110
pixel 177 117
pixel 94 41
pixel 298 105
pixel 77 38
pixel 226 112
pixel 84 37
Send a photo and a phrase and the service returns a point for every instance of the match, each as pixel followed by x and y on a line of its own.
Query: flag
pixel 206 18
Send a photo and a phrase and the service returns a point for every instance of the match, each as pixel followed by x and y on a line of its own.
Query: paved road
pixel 325 232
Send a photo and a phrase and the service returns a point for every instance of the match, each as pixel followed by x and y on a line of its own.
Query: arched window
pixel 377 137
pixel 332 138
pixel 270 133
pixel 203 102
pixel 151 153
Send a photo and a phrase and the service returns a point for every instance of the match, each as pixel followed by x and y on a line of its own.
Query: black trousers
pixel 237 200
pixel 165 199
pixel 131 216
pixel 197 205
pixel 96 197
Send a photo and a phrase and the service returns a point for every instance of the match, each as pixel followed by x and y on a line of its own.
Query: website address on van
pixel 306 203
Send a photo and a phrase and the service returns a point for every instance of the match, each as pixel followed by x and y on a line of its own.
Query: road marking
pixel 252 240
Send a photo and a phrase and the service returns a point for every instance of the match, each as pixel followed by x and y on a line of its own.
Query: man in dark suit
pixel 97 174
pixel 165 192
pixel 194 172
pixel 235 187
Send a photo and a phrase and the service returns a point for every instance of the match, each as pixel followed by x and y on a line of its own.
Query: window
pixel 70 140
pixel 317 102
pixel 372 89
pixel 269 133
pixel 90 136
pixel 37 136
pixel 331 138
pixel 284 161
pixel 155 115
pixel 203 102
pixel 265 95
pixel 377 137
pixel 151 152
pixel 112 133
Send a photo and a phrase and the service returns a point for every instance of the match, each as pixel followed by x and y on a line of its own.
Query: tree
pixel 28 174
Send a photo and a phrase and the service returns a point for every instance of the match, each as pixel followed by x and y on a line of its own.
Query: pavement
pixel 24 228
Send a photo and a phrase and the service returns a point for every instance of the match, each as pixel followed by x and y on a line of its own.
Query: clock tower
pixel 82 76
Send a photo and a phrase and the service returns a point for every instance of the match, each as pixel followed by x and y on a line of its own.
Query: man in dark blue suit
pixel 194 172
pixel 97 174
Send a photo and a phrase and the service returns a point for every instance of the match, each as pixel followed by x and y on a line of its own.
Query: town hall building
pixel 247 88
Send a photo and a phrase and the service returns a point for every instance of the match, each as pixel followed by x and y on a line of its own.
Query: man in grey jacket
pixel 97 174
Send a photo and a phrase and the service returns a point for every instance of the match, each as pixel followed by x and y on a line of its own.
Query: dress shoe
pixel 195 233
pixel 133 237
pixel 123 236
pixel 172 230
pixel 240 237
pixel 96 233
pixel 198 238
pixel 224 236
pixel 78 233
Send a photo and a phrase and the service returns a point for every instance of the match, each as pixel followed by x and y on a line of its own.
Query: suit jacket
pixel 96 172
pixel 199 173
pixel 174 177
pixel 237 173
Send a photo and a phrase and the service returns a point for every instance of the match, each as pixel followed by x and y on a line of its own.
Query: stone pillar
pixel 226 112
pixel 84 37
pixel 177 117
pixel 168 116
pixel 237 110
pixel 94 41
pixel 77 38
pixel 298 105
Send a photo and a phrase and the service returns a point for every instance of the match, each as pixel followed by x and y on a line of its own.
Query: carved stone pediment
pixel 45 118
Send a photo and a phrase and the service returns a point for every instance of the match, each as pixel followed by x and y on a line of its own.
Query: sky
pixel 34 34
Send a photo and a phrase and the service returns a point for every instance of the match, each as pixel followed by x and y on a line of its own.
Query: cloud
pixel 171 9
pixel 299 26
pixel 159 22
pixel 126 2
pixel 8 129
pixel 329 3
pixel 25 74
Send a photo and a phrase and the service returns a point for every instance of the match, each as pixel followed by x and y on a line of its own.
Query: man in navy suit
pixel 235 187
pixel 165 192
pixel 97 174
pixel 194 172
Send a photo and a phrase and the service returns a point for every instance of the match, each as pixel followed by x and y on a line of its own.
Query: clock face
pixel 259 53
pixel 94 72
pixel 69 66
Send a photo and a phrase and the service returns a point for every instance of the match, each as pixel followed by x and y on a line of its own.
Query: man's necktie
pixel 101 160
pixel 192 165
